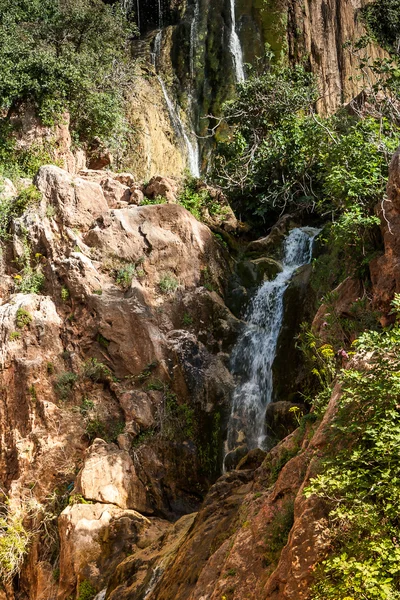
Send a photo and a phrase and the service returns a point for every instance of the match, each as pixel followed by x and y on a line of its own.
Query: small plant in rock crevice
pixel 23 318
pixel 64 384
pixel 168 283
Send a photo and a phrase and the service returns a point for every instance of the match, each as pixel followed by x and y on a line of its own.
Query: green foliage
pixel 15 335
pixel 65 56
pixel 187 319
pixel 168 283
pixel 10 209
pixel 197 200
pixel 278 531
pixel 64 384
pixel 15 540
pixel 98 428
pixel 320 360
pixel 65 294
pixel 86 591
pixel 23 318
pixel 125 274
pixel 382 18
pixel 30 281
pixel 281 155
pixel 86 406
pixel 78 499
pixel 360 475
pixel 178 421
pixel 96 371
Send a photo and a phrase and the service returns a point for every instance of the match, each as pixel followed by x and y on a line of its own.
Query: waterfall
pixel 179 128
pixel 255 351
pixel 192 148
pixel 193 37
pixel 235 47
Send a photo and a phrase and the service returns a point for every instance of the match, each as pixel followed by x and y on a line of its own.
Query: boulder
pixel 271 244
pixel 7 189
pixel 77 201
pixel 281 418
pixel 108 475
pixel 115 192
pixel 94 538
pixel 165 187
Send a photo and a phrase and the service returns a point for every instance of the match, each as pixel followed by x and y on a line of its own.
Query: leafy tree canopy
pixel 65 55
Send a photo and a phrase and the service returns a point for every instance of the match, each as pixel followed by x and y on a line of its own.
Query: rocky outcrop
pixel 114 379
pixel 257 536
pixel 385 270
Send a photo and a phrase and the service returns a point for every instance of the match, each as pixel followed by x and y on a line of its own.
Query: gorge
pixel 200 300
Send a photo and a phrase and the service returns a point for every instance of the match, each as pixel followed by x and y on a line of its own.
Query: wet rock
pixel 271 244
pixel 281 419
pixel 234 457
pixel 252 460
pixel 288 368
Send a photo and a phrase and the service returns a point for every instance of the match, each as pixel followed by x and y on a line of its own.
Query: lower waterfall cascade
pixel 254 354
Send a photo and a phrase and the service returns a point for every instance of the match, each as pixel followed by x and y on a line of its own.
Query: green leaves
pixel 65 56
pixel 360 478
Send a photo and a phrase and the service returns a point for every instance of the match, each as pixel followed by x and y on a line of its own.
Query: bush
pixel 64 56
pixel 125 275
pixel 359 478
pixel 282 156
pixel 65 384
pixel 15 539
pixel 168 283
pixel 86 591
pixel 23 318
pixel 96 371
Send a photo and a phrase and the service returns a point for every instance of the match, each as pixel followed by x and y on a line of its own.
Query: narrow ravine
pixel 255 351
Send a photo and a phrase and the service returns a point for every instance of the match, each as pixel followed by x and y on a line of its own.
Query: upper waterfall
pixel 235 46
pixel 254 354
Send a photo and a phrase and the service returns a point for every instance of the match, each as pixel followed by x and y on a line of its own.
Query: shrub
pixel 125 275
pixel 30 281
pixel 15 335
pixel 168 283
pixel 65 384
pixel 66 57
pixel 64 294
pixel 23 318
pixel 359 477
pixel 96 371
pixel 15 539
pixel 86 591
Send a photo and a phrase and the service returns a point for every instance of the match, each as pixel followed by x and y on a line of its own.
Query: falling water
pixel 255 351
pixel 176 121
pixel 193 37
pixel 192 149
pixel 235 47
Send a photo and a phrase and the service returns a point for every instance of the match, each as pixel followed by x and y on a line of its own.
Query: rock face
pixel 385 270
pixel 257 536
pixel 113 379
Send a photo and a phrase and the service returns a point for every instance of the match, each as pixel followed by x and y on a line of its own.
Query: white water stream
pixel 235 46
pixel 192 148
pixel 254 354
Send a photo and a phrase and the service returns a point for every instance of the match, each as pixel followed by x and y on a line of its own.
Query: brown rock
pixel 77 200
pixel 385 270
pixel 165 187
pixel 343 297
pixel 109 476
pixel 94 538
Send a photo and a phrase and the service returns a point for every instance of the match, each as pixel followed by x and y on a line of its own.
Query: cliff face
pixel 195 59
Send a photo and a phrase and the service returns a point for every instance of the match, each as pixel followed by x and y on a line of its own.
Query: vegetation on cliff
pixel 63 57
